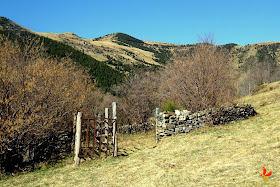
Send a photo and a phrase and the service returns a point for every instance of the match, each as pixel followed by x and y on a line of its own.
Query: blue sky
pixel 175 21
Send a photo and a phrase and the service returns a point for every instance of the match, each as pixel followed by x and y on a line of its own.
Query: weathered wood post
pixel 114 117
pixel 106 124
pixel 78 138
pixel 74 131
pixel 156 115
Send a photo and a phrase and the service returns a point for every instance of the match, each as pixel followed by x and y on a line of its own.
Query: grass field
pixel 229 155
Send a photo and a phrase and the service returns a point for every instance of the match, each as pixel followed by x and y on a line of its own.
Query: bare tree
pixel 200 79
pixel 136 98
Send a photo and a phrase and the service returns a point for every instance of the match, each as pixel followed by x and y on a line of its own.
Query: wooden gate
pixel 96 136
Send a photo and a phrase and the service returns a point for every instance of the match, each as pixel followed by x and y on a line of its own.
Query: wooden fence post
pixel 78 139
pixel 114 117
pixel 106 124
pixel 74 131
pixel 156 115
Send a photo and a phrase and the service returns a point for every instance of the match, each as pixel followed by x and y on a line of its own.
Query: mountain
pixel 119 50
pixel 124 52
pixel 121 54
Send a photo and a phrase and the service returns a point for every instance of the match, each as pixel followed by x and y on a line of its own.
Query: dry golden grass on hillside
pixel 99 49
pixel 229 155
pixel 266 43
pixel 52 36
pixel 266 95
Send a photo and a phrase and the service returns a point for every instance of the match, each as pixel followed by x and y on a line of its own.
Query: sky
pixel 173 21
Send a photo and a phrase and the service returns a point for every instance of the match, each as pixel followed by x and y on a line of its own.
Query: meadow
pixel 229 155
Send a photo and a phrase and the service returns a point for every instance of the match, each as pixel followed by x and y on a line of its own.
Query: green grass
pixel 228 155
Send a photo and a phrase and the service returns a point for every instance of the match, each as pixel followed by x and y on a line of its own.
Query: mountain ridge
pixel 114 48
pixel 108 45
pixel 126 54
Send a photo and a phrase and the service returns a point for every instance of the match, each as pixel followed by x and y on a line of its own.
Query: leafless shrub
pixel 104 100
pixel 200 79
pixel 136 98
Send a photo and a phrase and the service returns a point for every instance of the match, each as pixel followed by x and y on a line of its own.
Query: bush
pixel 169 106
pixel 38 95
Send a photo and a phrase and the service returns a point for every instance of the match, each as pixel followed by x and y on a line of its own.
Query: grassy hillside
pixel 102 74
pixel 228 155
pixel 121 51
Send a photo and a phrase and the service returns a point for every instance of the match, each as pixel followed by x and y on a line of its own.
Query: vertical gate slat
pixel 113 123
pixel 94 135
pixel 87 136
pixel 107 137
pixel 109 125
pixel 100 137
pixel 116 127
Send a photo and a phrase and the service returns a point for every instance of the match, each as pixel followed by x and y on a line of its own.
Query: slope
pixel 229 155
pixel 102 74
pixel 119 50
pixel 125 52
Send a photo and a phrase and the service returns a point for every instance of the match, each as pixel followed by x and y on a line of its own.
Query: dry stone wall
pixel 169 124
